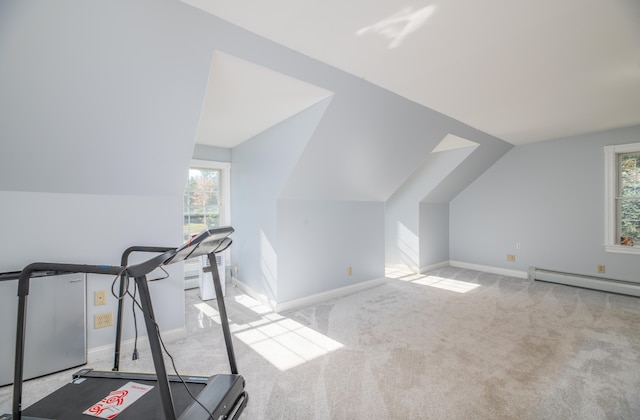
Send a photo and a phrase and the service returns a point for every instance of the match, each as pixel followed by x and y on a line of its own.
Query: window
pixel 622 189
pixel 205 197
pixel 206 205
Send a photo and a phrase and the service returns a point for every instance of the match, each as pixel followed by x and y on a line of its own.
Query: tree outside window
pixel 629 196
pixel 201 201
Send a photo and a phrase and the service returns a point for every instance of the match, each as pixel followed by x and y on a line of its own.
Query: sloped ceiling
pixel 451 142
pixel 522 71
pixel 243 99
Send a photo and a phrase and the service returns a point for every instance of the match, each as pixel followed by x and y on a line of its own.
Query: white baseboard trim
pixel 328 295
pixel 308 300
pixel 490 269
pixel 102 353
pixel 343 291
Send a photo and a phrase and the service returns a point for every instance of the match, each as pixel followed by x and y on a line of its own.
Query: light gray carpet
pixel 413 348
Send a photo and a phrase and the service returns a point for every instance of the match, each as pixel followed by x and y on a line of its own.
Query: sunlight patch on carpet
pixel 452 285
pixel 283 342
pixel 446 284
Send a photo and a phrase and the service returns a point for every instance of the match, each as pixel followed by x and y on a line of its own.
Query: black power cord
pixel 135 303
pixel 134 356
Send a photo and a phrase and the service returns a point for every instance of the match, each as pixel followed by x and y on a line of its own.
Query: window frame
pixel 612 173
pixel 225 210
pixel 225 185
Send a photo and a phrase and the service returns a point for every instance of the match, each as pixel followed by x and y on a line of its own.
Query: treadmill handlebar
pixel 137 248
pixel 137 270
pixel 212 240
pixel 144 268
pixel 25 274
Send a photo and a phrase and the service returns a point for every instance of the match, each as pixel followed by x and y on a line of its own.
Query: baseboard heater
pixel 587 282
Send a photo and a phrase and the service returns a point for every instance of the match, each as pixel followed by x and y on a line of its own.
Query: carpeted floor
pixel 449 344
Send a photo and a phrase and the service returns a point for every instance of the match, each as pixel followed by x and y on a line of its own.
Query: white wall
pixel 406 237
pixel 434 234
pixel 78 229
pixel 259 171
pixel 319 240
pixel 549 197
pixel 98 97
pixel 99 106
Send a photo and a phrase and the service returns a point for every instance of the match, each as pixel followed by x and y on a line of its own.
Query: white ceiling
pixel 523 71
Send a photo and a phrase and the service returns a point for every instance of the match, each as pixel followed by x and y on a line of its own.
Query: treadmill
pixel 221 396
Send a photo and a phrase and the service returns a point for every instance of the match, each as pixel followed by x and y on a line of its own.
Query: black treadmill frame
pixel 124 261
pixel 207 243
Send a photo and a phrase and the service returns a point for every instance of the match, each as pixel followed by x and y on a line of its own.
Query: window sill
pixel 623 249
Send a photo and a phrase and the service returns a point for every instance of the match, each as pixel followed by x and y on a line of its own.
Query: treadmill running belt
pixel 71 400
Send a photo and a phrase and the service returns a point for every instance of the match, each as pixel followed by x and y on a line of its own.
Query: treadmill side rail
pixel 222 393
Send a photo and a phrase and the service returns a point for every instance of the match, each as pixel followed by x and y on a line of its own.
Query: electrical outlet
pixel 350 271
pixel 511 258
pixel 103 320
pixel 601 268
pixel 99 297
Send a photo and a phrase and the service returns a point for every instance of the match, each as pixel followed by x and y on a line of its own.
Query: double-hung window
pixel 622 189
pixel 206 197
pixel 206 206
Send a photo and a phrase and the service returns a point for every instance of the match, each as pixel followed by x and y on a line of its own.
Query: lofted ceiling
pixel 243 99
pixel 523 71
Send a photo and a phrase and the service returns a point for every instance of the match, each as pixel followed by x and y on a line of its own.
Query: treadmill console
pixel 212 240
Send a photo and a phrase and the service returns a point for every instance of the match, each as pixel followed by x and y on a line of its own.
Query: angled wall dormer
pixel 266 119
pixel 405 236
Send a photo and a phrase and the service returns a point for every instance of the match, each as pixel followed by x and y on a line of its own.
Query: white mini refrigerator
pixel 207 291
pixel 55 337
